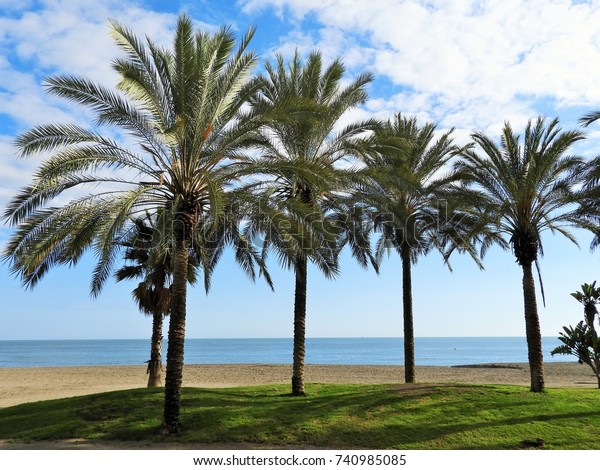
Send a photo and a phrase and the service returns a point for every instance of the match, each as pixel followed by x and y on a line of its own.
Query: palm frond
pixel 589 118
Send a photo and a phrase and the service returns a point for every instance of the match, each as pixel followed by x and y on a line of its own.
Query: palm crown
pixel 169 100
pixel 405 183
pixel 299 149
pixel 525 189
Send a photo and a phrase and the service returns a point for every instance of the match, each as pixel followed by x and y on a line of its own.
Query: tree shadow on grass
pixel 420 417
pixel 332 416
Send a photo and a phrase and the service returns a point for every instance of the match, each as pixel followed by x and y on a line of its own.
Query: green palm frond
pixel 582 342
pixel 589 118
pixel 148 246
pixel 404 182
pixel 183 109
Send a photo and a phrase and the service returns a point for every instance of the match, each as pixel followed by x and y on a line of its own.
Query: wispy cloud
pixel 463 63
pixel 57 37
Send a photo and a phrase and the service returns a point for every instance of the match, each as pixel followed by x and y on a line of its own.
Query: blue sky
pixel 468 65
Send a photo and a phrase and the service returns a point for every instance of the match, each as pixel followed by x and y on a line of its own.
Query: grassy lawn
pixel 331 416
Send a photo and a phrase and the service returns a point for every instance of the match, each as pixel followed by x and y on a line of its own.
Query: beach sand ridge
pixel 25 385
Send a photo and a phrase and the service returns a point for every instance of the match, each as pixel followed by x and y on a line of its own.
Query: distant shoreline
pixel 24 385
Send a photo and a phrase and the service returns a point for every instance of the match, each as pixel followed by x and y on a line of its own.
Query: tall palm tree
pixel 403 185
pixel 521 188
pixel 297 173
pixel 182 110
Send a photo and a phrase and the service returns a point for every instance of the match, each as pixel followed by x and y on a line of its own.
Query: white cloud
pixel 477 63
pixel 72 37
pixel 60 37
pixel 10 6
pixel 466 64
pixel 13 173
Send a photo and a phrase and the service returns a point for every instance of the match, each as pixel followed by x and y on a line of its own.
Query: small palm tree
pixel 521 188
pixel 403 187
pixel 588 297
pixel 153 293
pixel 582 341
pixel 183 110
pixel 296 173
pixel 149 259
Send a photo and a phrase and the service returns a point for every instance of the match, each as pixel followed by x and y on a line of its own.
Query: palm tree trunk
pixel 532 329
pixel 154 370
pixel 409 333
pixel 171 419
pixel 299 326
pixel 596 371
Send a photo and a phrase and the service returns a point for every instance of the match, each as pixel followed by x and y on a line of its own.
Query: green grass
pixel 330 416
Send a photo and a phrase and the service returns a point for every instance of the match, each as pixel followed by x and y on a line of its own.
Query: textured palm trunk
pixel 595 367
pixel 590 313
pixel 532 329
pixel 299 326
pixel 173 379
pixel 154 370
pixel 409 333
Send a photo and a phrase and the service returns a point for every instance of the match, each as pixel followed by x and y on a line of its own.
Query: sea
pixel 349 351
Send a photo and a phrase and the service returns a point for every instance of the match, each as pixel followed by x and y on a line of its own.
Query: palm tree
pixel 588 297
pixel 403 187
pixel 520 189
pixel 582 340
pixel 296 173
pixel 150 260
pixel 182 109
pixel 153 293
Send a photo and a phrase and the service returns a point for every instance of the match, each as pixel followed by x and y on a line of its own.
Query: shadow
pixel 412 416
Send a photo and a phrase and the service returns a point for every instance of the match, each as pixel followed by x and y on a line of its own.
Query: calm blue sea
pixel 359 351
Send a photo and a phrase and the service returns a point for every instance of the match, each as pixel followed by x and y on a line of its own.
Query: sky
pixel 465 64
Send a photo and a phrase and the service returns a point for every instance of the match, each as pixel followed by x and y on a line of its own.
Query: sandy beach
pixel 24 385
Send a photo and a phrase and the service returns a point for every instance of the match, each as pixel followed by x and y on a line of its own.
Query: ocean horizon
pixel 445 351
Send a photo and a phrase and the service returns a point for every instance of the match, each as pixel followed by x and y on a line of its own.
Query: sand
pixel 24 385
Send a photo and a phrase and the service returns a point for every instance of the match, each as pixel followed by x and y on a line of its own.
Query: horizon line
pixel 274 338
